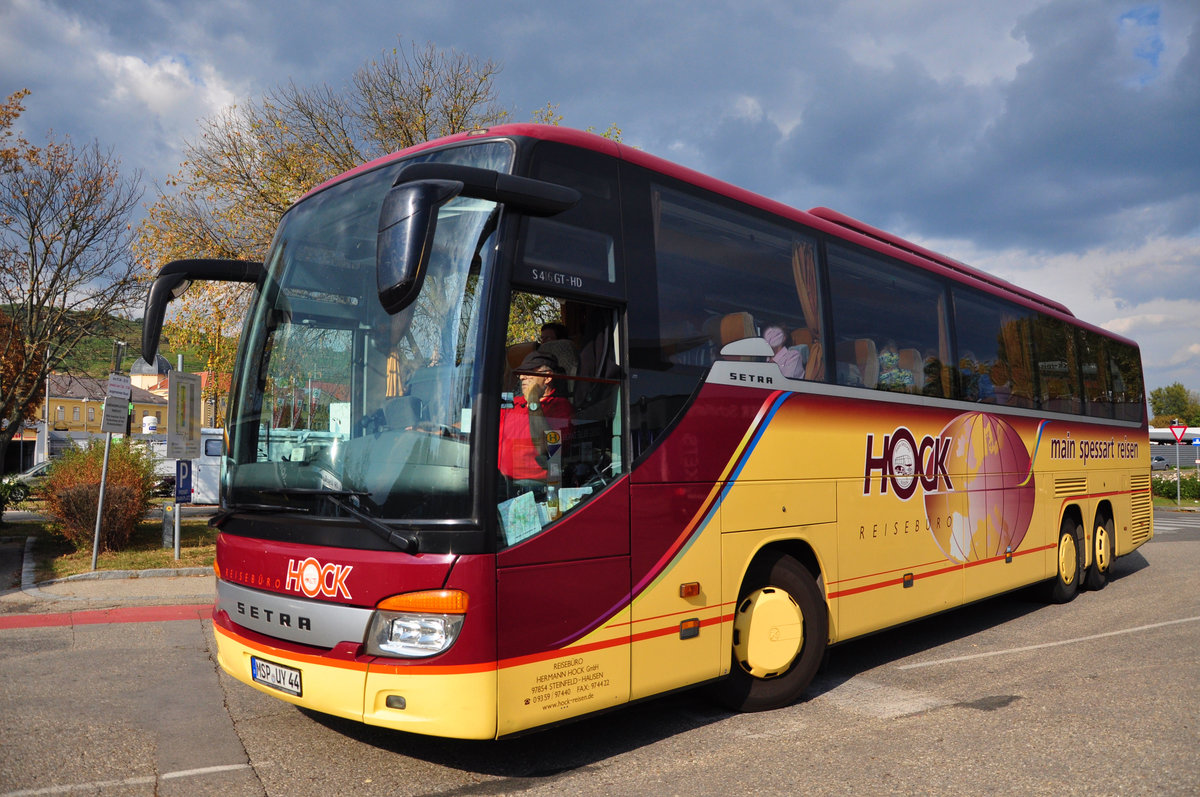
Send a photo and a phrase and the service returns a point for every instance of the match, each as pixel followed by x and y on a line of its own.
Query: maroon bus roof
pixel 862 227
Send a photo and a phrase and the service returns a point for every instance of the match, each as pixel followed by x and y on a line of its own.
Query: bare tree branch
pixel 65 262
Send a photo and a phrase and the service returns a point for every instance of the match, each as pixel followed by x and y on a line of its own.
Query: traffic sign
pixel 183 481
pixel 1179 432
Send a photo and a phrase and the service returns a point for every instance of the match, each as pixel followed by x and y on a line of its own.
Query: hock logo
pixel 313 578
pixel 904 463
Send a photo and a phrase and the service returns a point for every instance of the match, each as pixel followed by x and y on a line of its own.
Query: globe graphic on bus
pixel 988 511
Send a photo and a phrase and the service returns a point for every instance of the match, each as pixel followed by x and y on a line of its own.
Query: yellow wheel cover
pixel 1068 558
pixel 1103 549
pixel 769 632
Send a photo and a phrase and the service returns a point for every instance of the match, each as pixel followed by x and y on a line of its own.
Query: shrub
pixel 1189 486
pixel 72 491
pixel 7 493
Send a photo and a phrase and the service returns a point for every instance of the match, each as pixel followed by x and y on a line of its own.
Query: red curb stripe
pixel 132 614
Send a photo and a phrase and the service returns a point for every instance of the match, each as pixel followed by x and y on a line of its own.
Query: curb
pixel 30 587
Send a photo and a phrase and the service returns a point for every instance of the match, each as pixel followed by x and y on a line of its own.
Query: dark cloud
pixel 1068 154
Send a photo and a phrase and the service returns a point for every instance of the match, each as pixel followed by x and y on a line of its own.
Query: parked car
pixel 24 483
pixel 1158 462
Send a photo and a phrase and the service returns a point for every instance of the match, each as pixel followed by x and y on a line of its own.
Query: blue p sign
pixel 183 481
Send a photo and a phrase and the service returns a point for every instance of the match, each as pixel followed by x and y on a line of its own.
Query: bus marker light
pixel 690 628
pixel 689 589
pixel 416 624
pixel 433 601
pixel 908 580
pixel 396 702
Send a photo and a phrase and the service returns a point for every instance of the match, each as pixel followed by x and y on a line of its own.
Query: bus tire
pixel 1102 555
pixel 1065 584
pixel 780 635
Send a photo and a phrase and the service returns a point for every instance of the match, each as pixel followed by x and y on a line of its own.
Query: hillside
pixel 93 356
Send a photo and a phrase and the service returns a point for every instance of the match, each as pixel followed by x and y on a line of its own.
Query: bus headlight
pixel 416 624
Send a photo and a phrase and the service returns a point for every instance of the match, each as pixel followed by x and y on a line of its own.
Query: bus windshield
pixel 340 404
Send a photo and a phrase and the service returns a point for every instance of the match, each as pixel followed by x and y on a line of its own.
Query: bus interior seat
pixel 734 326
pixel 862 355
pixel 564 352
pixel 515 354
pixel 518 352
pixel 910 360
pixel 404 412
pixel 429 385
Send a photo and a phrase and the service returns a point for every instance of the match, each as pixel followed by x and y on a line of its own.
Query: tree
pixel 15 369
pixel 251 163
pixel 65 261
pixel 1174 403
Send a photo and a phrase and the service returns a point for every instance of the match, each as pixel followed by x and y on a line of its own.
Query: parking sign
pixel 183 481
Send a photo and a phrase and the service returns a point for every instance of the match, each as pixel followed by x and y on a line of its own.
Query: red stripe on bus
pixel 654 633
pixel 939 572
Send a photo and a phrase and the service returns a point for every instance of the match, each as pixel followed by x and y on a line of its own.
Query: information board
pixel 183 416
pixel 116 415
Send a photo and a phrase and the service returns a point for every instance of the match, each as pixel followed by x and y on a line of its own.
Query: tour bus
pixel 527 424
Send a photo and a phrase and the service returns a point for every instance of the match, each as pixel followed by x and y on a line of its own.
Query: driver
pixel 526 448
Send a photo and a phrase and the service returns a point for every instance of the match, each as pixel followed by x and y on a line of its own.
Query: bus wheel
pixel 1102 555
pixel 780 631
pixel 1065 583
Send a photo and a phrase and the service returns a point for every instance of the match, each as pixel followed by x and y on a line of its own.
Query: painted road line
pixel 144 780
pixel 1024 648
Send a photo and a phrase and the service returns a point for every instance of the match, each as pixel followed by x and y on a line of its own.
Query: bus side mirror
pixel 407 222
pixel 174 278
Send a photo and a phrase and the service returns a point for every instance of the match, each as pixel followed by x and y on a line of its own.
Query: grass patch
pixel 56 558
pixel 1169 503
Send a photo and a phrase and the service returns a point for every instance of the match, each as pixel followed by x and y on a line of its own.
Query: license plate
pixel 276 676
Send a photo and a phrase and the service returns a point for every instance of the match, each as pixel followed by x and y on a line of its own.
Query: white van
pixel 206 471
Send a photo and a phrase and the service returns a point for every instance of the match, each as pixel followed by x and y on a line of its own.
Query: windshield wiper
pixel 405 542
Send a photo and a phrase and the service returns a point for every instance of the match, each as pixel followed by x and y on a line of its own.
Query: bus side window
pixel 1094 370
pixel 995 360
pixel 1125 375
pixel 890 324
pixel 1058 374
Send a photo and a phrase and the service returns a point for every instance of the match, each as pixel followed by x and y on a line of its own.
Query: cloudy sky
pixel 1055 143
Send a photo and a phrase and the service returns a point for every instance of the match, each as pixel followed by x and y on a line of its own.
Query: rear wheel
pixel 780 631
pixel 1102 555
pixel 19 493
pixel 1065 584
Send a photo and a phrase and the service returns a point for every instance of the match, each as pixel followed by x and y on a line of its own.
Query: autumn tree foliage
pixel 18 364
pixel 72 492
pixel 65 263
pixel 253 161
